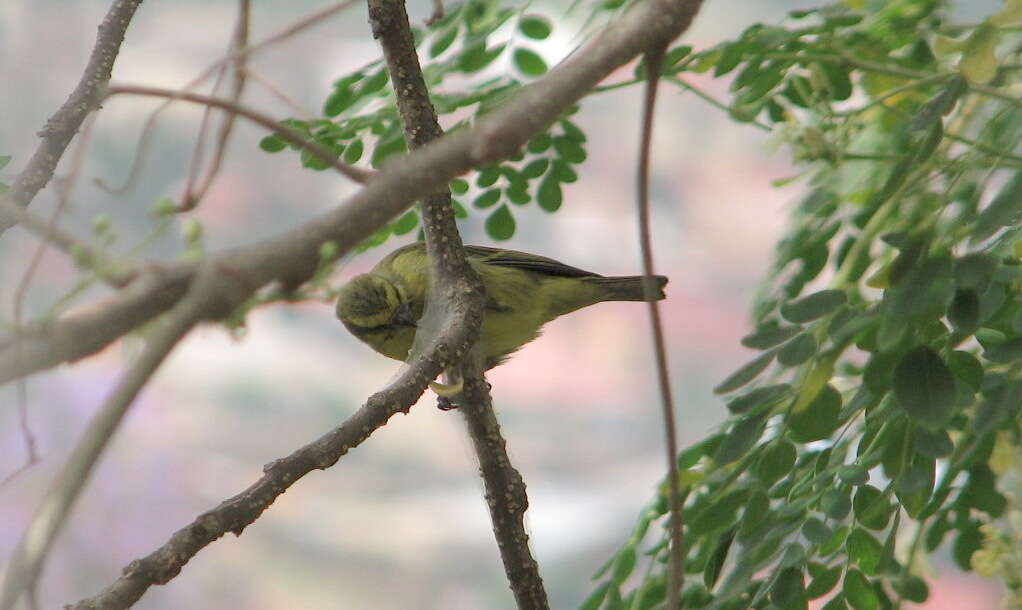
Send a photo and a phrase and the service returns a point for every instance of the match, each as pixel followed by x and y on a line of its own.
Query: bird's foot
pixel 446 392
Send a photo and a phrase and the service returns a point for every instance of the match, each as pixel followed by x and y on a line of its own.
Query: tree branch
pixel 505 490
pixel 64 124
pixel 357 174
pixel 27 560
pixel 236 513
pixel 293 255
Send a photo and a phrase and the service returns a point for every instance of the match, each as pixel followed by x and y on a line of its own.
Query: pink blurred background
pixel 400 522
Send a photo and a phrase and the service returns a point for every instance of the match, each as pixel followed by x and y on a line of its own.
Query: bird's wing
pixel 527 262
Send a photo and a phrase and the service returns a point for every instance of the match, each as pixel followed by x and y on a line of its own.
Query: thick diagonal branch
pixel 505 489
pixel 64 124
pixel 293 255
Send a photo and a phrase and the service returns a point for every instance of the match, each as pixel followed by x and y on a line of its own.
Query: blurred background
pixel 400 522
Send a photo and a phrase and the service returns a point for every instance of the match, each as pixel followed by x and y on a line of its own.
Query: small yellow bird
pixel 524 291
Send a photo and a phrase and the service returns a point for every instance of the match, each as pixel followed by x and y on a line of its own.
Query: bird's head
pixel 370 301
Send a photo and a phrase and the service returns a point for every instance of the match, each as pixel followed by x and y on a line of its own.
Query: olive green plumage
pixel 524 292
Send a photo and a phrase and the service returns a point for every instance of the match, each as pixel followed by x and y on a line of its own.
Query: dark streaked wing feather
pixel 502 258
pixel 526 262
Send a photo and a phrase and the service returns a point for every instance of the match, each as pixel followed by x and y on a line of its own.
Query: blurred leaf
pixel 529 62
pixel 819 420
pixel 815 305
pixel 924 388
pixel 501 224
pixel 745 374
pixel 536 27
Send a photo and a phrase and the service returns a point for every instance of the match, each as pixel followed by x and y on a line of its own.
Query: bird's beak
pixel 404 316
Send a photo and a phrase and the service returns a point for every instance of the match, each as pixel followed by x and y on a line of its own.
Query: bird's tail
pixel 629 288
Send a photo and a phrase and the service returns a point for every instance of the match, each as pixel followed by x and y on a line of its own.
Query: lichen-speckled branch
pixel 505 490
pixel 64 124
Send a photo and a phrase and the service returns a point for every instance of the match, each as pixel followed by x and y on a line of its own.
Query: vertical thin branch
pixel 193 195
pixel 27 561
pixel 505 491
pixel 150 125
pixel 676 563
pixel 21 292
pixel 64 124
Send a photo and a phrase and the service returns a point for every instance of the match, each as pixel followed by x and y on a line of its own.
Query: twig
pixel 676 556
pixel 292 256
pixel 193 195
pixel 357 174
pixel 116 274
pixel 26 563
pixel 438 12
pixel 506 497
pixel 276 92
pixel 64 124
pixel 505 490
pixel 238 512
pixel 150 124
pixel 21 291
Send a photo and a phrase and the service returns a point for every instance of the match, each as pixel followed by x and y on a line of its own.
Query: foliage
pixel 889 373
pixel 890 331
pixel 360 121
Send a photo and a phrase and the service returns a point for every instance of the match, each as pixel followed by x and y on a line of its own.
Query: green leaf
pixel 864 550
pixel 624 563
pixel 529 62
pixel 913 588
pixel 572 131
pixel 570 150
pixel 858 592
pixel 539 143
pixel 405 224
pixel 717 515
pixel 487 199
pixel 338 101
pixel 742 436
pixel 549 194
pixel 501 224
pixel 974 271
pixel 818 420
pixel 459 186
pixel 769 335
pixel 823 581
pixel 443 41
pixel 816 531
pixel 969 541
pixel 933 443
pixel 517 195
pixel 477 56
pixel 1005 209
pixel 535 26
pixel 871 508
pixel 563 172
pixel 536 168
pixel 717 559
pixel 270 144
pixel 798 350
pixel 487 176
pixel 1009 351
pixel 967 368
pixel 459 210
pixel 776 461
pixel 853 474
pixel 788 591
pixel 745 374
pixel 353 152
pixel 595 598
pixel 753 399
pixel 924 388
pixel 963 312
pixel 815 305
pixel 841 506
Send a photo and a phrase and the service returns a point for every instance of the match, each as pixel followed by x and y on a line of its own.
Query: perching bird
pixel 523 291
